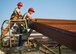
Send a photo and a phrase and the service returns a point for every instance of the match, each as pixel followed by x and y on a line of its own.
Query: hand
pixel 20 16
pixel 28 19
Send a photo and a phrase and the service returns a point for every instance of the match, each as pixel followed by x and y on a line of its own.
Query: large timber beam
pixel 63 37
pixel 69 25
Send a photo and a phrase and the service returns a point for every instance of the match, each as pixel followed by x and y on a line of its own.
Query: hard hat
pixel 20 4
pixel 31 9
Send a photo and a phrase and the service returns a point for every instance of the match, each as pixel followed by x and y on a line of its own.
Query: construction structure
pixel 46 33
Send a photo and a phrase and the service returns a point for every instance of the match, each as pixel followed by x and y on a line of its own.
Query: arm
pixel 30 18
pixel 19 13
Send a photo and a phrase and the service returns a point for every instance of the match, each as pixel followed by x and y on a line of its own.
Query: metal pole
pixel 60 49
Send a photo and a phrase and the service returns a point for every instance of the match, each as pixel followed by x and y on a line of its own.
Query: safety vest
pixel 24 26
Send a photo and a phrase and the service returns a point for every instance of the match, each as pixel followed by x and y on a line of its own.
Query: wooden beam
pixel 62 36
pixel 69 25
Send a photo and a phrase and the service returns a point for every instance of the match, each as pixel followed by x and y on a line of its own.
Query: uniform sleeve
pixel 16 10
pixel 29 16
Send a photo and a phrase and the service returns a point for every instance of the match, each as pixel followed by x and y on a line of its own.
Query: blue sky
pixel 51 9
